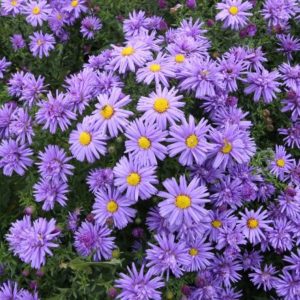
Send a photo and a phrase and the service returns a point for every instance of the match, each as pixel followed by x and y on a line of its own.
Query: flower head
pixel 41 44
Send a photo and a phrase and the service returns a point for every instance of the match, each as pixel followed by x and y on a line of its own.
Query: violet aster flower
pixel 290 75
pixel 251 260
pixel 254 224
pixel 144 142
pixel 16 83
pixel 76 7
pixel 127 58
pixel 292 103
pixel 159 71
pixel 94 239
pixel 41 44
pixel 87 142
pixel 138 285
pixel 4 64
pixel 54 163
pixel 9 290
pixel 17 41
pixel 190 141
pixel 110 204
pixel 36 12
pixel 230 294
pixel 183 202
pixel 288 44
pixel 50 191
pixel 167 256
pixel 155 222
pixel 264 277
pixel 282 163
pixel 263 84
pixel 55 112
pixel 99 179
pixel 234 13
pixel 201 76
pixel 73 219
pixel 137 181
pixel 162 106
pixel 292 135
pixel 107 81
pixel 110 115
pixel 135 24
pixel 295 173
pixel 89 26
pixel 6 115
pixel 14 157
pixel 289 202
pixel 294 261
pixel 288 285
pixel 12 7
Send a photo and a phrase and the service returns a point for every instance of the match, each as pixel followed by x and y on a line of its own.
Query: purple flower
pixel 12 7
pixel 87 142
pixel 54 163
pixel 167 256
pixel 135 24
pixel 89 26
pixel 99 179
pixel 37 12
pixel 162 107
pixel 234 13
pixel 137 181
pixel 264 277
pixel 16 83
pixel 294 260
pixel 251 259
pixel 76 7
pixel 4 64
pixel 107 81
pixel 9 290
pixel 6 114
pixel 41 44
pixel 110 204
pixel 14 157
pixel 292 103
pixel 73 219
pixel 144 142
pixel 289 202
pixel 288 285
pixel 288 44
pixel 17 41
pixel 183 202
pixel 263 84
pixel 94 239
pixel 138 285
pixel 292 134
pixel 290 75
pixel 190 141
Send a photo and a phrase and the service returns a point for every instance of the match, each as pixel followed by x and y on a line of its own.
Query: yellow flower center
pixel 161 105
pixel 183 201
pixel 192 141
pixel 74 3
pixel 280 162
pixel 216 223
pixel 133 179
pixel 36 10
pixel 112 206
pixel 233 10
pixel 85 138
pixel 193 252
pixel 144 142
pixel 252 223
pixel 39 42
pixel 204 72
pixel 107 111
pixel 155 68
pixel 59 17
pixel 127 51
pixel 14 3
pixel 179 58
pixel 227 147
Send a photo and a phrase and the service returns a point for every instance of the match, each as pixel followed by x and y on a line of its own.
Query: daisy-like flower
pixel 292 103
pixel 234 13
pixel 282 163
pixel 9 290
pixel 107 81
pixel 54 164
pixel 129 57
pixel 76 7
pixel 135 23
pixel 201 76
pixel 94 239
pixel 294 261
pixel 17 42
pixel 14 157
pixel 254 225
pixel 50 191
pixel 55 112
pixel 159 70
pixel 288 285
pixel 183 202
pixel 263 84
pixel 41 44
pixel 289 202
pixel 4 64
pixel 292 135
pixel 7 111
pixel 111 204
pixel 87 141
pixel 138 285
pixel 190 141
pixel 167 256
pixel 89 26
pixel 110 115
pixel 144 142
pixel 162 107
pixel 137 181
pixel 288 44
pixel 290 75
pixel 99 179
pixel 12 7
pixel 37 12
pixel 230 145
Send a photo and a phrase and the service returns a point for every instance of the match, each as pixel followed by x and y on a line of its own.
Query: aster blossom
pixel 89 26
pixel 37 12
pixel 4 64
pixel 99 179
pixel 41 44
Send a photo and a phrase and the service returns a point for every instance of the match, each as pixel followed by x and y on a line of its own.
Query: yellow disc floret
pixel 161 105
pixel 227 147
pixel 127 51
pixel 183 201
pixel 193 252
pixel 280 162
pixel 144 142
pixel 252 223
pixel 112 206
pixel 85 138
pixel 74 3
pixel 133 179
pixel 36 10
pixel 192 141
pixel 107 111
pixel 233 10
pixel 179 58
pixel 14 3
pixel 155 67
pixel 216 223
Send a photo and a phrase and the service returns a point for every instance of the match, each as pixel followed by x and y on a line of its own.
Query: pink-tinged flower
pixel 162 106
pixel 254 225
pixel 184 202
pixel 110 115
pixel 87 141
pixel 190 141
pixel 137 181
pixel 41 44
pixel 37 12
